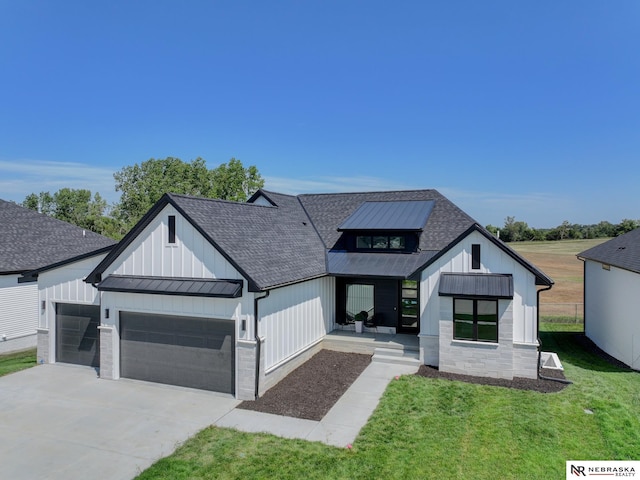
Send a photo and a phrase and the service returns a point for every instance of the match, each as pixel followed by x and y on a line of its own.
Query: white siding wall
pixel 612 303
pixel 295 317
pixel 191 256
pixel 493 260
pixel 18 311
pixel 66 285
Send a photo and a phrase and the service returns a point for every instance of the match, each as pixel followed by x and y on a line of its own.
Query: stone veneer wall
pixel 429 350
pixel 43 352
pixel 246 372
pixel 525 360
pixel 477 358
pixel 107 367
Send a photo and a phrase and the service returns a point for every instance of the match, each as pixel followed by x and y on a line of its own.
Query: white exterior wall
pixel 523 307
pixel 64 284
pixel 192 256
pixel 18 313
pixel 296 317
pixel 612 306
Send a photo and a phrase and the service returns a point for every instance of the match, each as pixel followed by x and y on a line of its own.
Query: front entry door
pixel 409 311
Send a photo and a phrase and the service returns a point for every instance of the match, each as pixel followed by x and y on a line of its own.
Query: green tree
pixel 626 225
pixel 142 185
pixel 515 231
pixel 232 181
pixel 78 207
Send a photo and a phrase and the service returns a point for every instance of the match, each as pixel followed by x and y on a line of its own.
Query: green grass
pixel 561 247
pixel 427 428
pixel 14 362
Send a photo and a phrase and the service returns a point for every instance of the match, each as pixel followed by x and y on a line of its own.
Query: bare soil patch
pixel 312 389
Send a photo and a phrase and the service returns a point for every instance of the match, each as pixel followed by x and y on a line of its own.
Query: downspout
pixel 257 338
pixel 540 376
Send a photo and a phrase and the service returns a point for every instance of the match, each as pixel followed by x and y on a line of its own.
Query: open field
pixel 558 260
pixel 436 428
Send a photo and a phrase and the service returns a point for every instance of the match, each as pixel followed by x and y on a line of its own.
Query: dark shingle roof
pixel 30 240
pixel 296 238
pixel 328 211
pixel 622 251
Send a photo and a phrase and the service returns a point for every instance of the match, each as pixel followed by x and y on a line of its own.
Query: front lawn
pixel 14 362
pixel 433 428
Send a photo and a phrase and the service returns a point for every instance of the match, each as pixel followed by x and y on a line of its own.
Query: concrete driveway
pixel 62 422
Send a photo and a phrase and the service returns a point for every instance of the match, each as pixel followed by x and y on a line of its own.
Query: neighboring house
pixel 28 241
pixel 612 297
pixel 231 296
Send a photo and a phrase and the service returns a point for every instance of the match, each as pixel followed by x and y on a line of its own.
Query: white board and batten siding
pixel 191 256
pixel 612 304
pixel 493 260
pixel 296 317
pixel 66 284
pixel 18 313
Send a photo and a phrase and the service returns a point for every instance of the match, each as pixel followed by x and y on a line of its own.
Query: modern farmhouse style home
pixel 30 240
pixel 611 300
pixel 231 296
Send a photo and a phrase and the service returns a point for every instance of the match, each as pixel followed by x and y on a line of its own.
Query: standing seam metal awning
pixel 490 285
pixel 188 287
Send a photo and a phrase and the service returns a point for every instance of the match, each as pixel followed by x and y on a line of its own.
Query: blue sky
pixel 510 108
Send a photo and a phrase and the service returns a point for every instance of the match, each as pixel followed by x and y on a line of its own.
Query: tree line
pixel 519 231
pixel 140 186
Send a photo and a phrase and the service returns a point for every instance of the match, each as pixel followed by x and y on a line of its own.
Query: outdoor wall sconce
pixel 106 313
pixel 243 325
pixel 43 305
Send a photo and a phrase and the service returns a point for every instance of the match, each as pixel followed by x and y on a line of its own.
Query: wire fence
pixel 562 312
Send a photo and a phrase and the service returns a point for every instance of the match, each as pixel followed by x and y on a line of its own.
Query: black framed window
pixel 172 229
pixel 475 319
pixel 475 256
pixel 380 242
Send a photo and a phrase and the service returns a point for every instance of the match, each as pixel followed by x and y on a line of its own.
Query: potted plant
pixel 360 318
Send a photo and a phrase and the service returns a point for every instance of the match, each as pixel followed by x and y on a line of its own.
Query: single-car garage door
pixel 185 351
pixel 77 339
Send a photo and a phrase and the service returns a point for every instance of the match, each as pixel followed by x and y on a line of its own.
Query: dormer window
pixel 380 242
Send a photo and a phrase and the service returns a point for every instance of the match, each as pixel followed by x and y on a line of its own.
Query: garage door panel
pixel 185 351
pixel 77 337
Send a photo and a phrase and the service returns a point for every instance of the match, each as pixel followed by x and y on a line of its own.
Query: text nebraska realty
pixel 581 470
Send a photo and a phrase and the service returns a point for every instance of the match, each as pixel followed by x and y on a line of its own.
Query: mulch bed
pixel 538 385
pixel 312 389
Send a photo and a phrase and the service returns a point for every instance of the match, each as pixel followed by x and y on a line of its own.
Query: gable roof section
pixel 408 215
pixel 269 246
pixel 541 277
pixel 30 240
pixel 622 252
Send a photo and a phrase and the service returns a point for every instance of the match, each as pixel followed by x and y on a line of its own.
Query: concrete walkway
pixel 341 424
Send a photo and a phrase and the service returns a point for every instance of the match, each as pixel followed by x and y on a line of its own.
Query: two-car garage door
pixel 176 350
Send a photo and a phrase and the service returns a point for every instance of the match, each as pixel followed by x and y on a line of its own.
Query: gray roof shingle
pixel 622 252
pixel 329 210
pixel 30 240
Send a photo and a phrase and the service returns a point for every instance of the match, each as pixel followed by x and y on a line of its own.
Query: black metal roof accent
pixel 187 287
pixel 404 215
pixel 622 252
pixel 363 264
pixel 30 240
pixel 489 285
